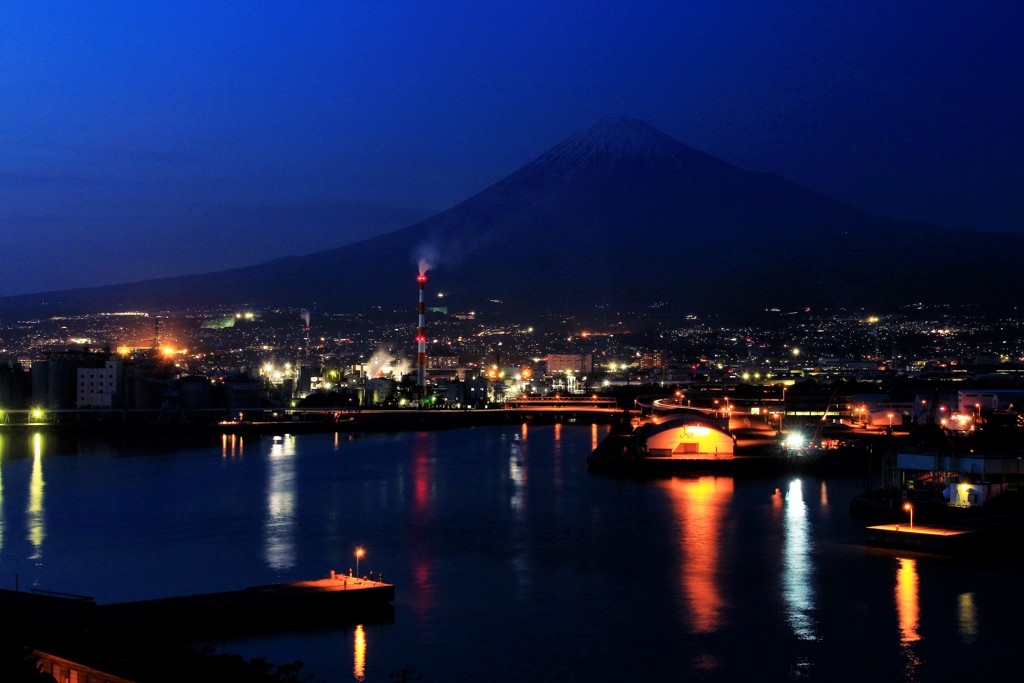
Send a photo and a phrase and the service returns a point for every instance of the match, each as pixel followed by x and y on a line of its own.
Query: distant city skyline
pixel 142 141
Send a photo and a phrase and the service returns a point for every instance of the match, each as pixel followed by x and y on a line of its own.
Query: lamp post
pixel 359 553
pixel 910 508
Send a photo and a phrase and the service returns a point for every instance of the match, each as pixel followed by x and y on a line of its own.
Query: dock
pixel 336 600
pixel 923 538
pixel 299 605
pixel 140 640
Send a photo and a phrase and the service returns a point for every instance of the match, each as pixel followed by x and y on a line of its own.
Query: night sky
pixel 145 139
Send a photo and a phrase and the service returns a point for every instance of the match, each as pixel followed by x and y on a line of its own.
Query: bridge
pixel 561 402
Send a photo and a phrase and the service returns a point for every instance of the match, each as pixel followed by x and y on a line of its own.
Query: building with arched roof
pixel 683 436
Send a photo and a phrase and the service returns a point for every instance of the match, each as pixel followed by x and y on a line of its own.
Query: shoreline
pixel 368 420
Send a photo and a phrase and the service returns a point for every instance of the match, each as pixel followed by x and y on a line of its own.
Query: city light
pixel 359 554
pixel 910 508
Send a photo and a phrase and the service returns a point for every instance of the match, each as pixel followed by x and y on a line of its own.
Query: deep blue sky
pixel 142 139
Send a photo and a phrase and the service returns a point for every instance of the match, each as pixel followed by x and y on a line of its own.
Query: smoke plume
pixel 426 257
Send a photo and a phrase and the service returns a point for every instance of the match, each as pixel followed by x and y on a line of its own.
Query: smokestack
pixel 421 340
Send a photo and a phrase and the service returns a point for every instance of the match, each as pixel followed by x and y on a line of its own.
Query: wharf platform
pixel 140 641
pixel 924 538
pixel 298 605
pixel 285 606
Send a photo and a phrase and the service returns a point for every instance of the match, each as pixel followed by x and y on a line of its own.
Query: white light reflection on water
pixel 1 493
pixel 908 614
pixel 517 503
pixel 35 520
pixel 279 524
pixel 798 565
pixel 517 476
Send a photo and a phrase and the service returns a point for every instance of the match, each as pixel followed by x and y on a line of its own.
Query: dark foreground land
pixel 149 640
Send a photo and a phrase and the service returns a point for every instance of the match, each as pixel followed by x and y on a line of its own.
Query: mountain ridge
pixel 617 216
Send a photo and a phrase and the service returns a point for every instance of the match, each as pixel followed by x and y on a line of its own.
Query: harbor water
pixel 511 562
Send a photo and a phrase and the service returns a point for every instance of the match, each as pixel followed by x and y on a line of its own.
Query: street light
pixel 359 553
pixel 910 508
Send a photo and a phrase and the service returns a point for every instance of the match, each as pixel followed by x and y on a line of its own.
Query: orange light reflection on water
pixel 908 612
pixel 231 446
pixel 698 504
pixel 359 654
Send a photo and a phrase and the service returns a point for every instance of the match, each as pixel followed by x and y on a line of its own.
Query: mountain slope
pixel 618 216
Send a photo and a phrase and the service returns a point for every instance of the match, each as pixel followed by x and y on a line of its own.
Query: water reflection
pixel 558 456
pixel 517 475
pixel 1 493
pixel 797 564
pixel 698 505
pixel 422 478
pixel 35 521
pixel 421 513
pixel 359 654
pixel 908 613
pixel 967 617
pixel 279 525
pixel 231 446
pixel 517 503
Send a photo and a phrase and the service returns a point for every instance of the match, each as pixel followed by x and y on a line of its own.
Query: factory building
pixel 101 387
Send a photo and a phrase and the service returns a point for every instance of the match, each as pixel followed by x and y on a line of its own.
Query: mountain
pixel 616 217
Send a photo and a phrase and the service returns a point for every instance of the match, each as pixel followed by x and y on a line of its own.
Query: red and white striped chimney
pixel 421 339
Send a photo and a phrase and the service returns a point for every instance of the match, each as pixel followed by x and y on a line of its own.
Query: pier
pixel 336 600
pixel 131 642
pixel 924 538
pixel 330 601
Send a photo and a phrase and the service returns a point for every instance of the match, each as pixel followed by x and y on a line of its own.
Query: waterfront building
pixel 15 386
pixel 101 387
pixel 55 376
pixel 956 479
pixel 683 436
